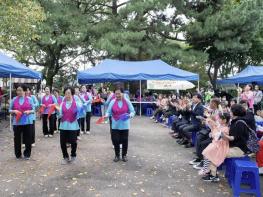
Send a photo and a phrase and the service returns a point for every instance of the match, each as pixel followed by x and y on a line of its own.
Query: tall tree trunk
pixel 213 76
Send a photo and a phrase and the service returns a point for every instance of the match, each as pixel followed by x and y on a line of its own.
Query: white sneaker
pixel 33 145
pixel 50 136
pixel 73 160
pixel 260 170
pixel 152 117
pixel 79 138
pixel 65 161
pixel 56 131
pixel 46 136
pixel 88 133
pixel 81 132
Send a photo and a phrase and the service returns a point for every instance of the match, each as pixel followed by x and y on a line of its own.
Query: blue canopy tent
pixel 11 68
pixel 116 70
pixel 248 75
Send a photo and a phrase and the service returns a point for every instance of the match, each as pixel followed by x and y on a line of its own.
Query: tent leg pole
pixel 198 86
pixel 238 93
pixel 10 99
pixel 140 98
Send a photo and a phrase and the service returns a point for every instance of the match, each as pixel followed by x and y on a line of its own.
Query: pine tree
pixel 225 30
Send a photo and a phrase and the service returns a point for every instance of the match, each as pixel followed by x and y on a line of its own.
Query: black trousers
pixel 120 137
pixel 51 121
pixel 33 129
pixel 187 131
pixel 68 136
pixel 24 131
pixel 82 122
pixel 56 127
pixel 202 141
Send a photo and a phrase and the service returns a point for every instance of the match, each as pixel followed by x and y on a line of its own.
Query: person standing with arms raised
pixel 47 103
pixel 121 110
pixel 87 101
pixel 22 107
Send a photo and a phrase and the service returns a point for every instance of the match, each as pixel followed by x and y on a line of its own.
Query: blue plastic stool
pixel 171 120
pixel 246 172
pixel 149 112
pixel 230 167
pixel 194 135
pixel 159 118
pixel 97 111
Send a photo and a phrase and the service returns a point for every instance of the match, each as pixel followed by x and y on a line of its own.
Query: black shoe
pixel 199 166
pixel 179 140
pixel 116 159
pixel 195 161
pixel 189 145
pixel 184 142
pixel 210 178
pixel 124 159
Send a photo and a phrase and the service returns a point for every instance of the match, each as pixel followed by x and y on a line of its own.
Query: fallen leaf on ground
pixel 91 189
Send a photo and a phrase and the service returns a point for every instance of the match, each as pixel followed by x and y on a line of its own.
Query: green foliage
pixel 225 30
pixel 18 22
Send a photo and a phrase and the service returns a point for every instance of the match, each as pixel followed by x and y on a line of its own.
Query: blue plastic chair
pixel 230 167
pixel 149 112
pixel 97 111
pixel 246 172
pixel 171 120
pixel 194 136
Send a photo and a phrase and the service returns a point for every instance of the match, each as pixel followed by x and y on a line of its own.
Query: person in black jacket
pixel 249 117
pixel 196 110
pixel 238 133
pixel 238 137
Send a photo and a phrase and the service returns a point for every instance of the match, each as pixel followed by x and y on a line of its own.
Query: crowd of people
pixel 69 115
pixel 216 127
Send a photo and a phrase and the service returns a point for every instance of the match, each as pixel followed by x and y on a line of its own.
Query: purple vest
pixel 24 107
pixel 117 111
pixel 59 100
pixel 70 114
pixel 86 96
pixel 47 102
pixel 113 97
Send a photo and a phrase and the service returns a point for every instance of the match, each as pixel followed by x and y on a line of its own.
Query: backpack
pixel 252 142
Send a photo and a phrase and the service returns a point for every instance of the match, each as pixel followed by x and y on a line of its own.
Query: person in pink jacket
pixel 216 152
pixel 248 95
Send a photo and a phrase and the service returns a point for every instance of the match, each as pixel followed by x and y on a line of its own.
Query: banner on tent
pixel 169 85
pixel 24 80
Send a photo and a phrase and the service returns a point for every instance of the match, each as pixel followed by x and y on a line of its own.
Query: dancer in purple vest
pixel 69 111
pixel 36 105
pixel 87 101
pixel 23 126
pixel 59 100
pixel 46 102
pixel 121 110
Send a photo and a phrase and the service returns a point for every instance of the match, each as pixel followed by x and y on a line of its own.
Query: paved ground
pixel 157 167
